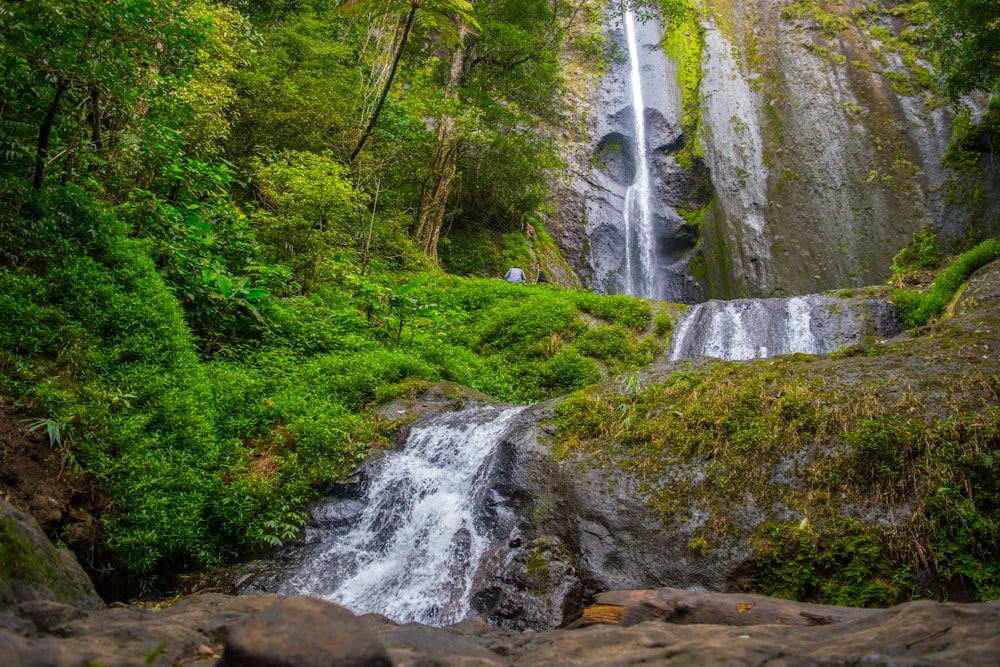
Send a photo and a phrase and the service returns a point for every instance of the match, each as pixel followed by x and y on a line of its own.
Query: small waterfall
pixel 411 547
pixel 640 261
pixel 755 328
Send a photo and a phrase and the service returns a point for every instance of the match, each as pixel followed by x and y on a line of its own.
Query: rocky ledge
pixel 266 630
pixel 50 617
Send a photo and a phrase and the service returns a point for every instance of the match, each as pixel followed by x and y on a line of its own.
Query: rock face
pixel 268 630
pixel 197 630
pixel 821 138
pixel 303 632
pixel 581 530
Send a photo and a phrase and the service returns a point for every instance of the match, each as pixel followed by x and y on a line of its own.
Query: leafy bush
pixel 617 308
pixel 663 323
pixel 605 342
pixel 922 253
pixel 515 325
pixel 839 564
pixel 568 370
pixel 918 309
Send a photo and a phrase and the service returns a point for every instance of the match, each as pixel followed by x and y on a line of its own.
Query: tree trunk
pixel 435 191
pixel 96 135
pixel 388 84
pixel 44 133
pixel 437 186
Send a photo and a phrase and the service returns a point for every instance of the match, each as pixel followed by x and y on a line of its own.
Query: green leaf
pixel 224 284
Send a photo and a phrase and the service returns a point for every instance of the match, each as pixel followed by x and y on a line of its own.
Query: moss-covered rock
pixel 31 568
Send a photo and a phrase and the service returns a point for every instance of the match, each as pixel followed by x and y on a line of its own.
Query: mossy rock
pixel 31 568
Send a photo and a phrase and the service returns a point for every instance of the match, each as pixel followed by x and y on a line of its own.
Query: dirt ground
pixel 31 478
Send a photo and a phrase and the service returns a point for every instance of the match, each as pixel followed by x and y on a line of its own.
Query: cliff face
pixel 822 130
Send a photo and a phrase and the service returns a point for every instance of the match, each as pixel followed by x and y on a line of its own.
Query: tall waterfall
pixel 640 262
pixel 410 548
pixel 631 186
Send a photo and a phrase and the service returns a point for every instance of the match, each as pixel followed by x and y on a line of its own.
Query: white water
pixel 799 328
pixel 413 550
pixel 749 329
pixel 638 221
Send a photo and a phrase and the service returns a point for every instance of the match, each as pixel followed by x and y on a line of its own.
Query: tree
pixel 307 209
pixel 968 39
pixel 436 187
pixel 449 17
pixel 82 79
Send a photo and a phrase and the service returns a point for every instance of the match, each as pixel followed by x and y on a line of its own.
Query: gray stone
pixel 303 632
pixel 31 568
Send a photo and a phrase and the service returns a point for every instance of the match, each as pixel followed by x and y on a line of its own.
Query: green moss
pixel 19 559
pixel 918 308
pixel 683 41
pixel 839 563
pixel 922 253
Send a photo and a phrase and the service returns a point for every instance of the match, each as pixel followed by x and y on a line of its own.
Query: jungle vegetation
pixel 228 228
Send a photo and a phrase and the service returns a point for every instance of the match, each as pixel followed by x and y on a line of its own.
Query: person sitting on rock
pixel 540 276
pixel 514 275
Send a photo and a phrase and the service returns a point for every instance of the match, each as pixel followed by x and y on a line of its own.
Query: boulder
pixel 33 570
pixel 303 632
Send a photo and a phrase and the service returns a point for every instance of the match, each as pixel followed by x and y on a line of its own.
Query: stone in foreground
pixel 303 632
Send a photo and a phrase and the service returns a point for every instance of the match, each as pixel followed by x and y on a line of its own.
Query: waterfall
pixel 637 218
pixel 409 549
pixel 755 328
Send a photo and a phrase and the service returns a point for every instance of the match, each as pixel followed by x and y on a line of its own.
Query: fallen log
pixel 674 605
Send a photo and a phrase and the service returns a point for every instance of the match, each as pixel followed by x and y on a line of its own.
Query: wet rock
pixel 303 632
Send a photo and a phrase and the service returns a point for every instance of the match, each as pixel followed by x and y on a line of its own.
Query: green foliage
pixel 967 36
pixel 840 563
pixel 970 141
pixel 605 342
pixel 568 370
pixel 663 323
pixel 524 324
pixel 617 308
pixel 684 40
pixel 208 255
pixel 389 309
pixel 308 211
pixel 298 93
pixel 917 309
pixel 922 253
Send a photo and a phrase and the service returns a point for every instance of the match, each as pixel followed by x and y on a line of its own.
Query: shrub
pixel 621 309
pixel 663 323
pixel 568 371
pixel 918 309
pixel 606 342
pixel 922 253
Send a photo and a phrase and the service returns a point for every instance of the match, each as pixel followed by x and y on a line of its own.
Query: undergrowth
pixel 917 308
pixel 208 413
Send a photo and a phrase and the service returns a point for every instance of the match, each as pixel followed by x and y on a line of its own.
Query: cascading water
pixel 640 261
pixel 755 328
pixel 410 549
pixel 633 183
